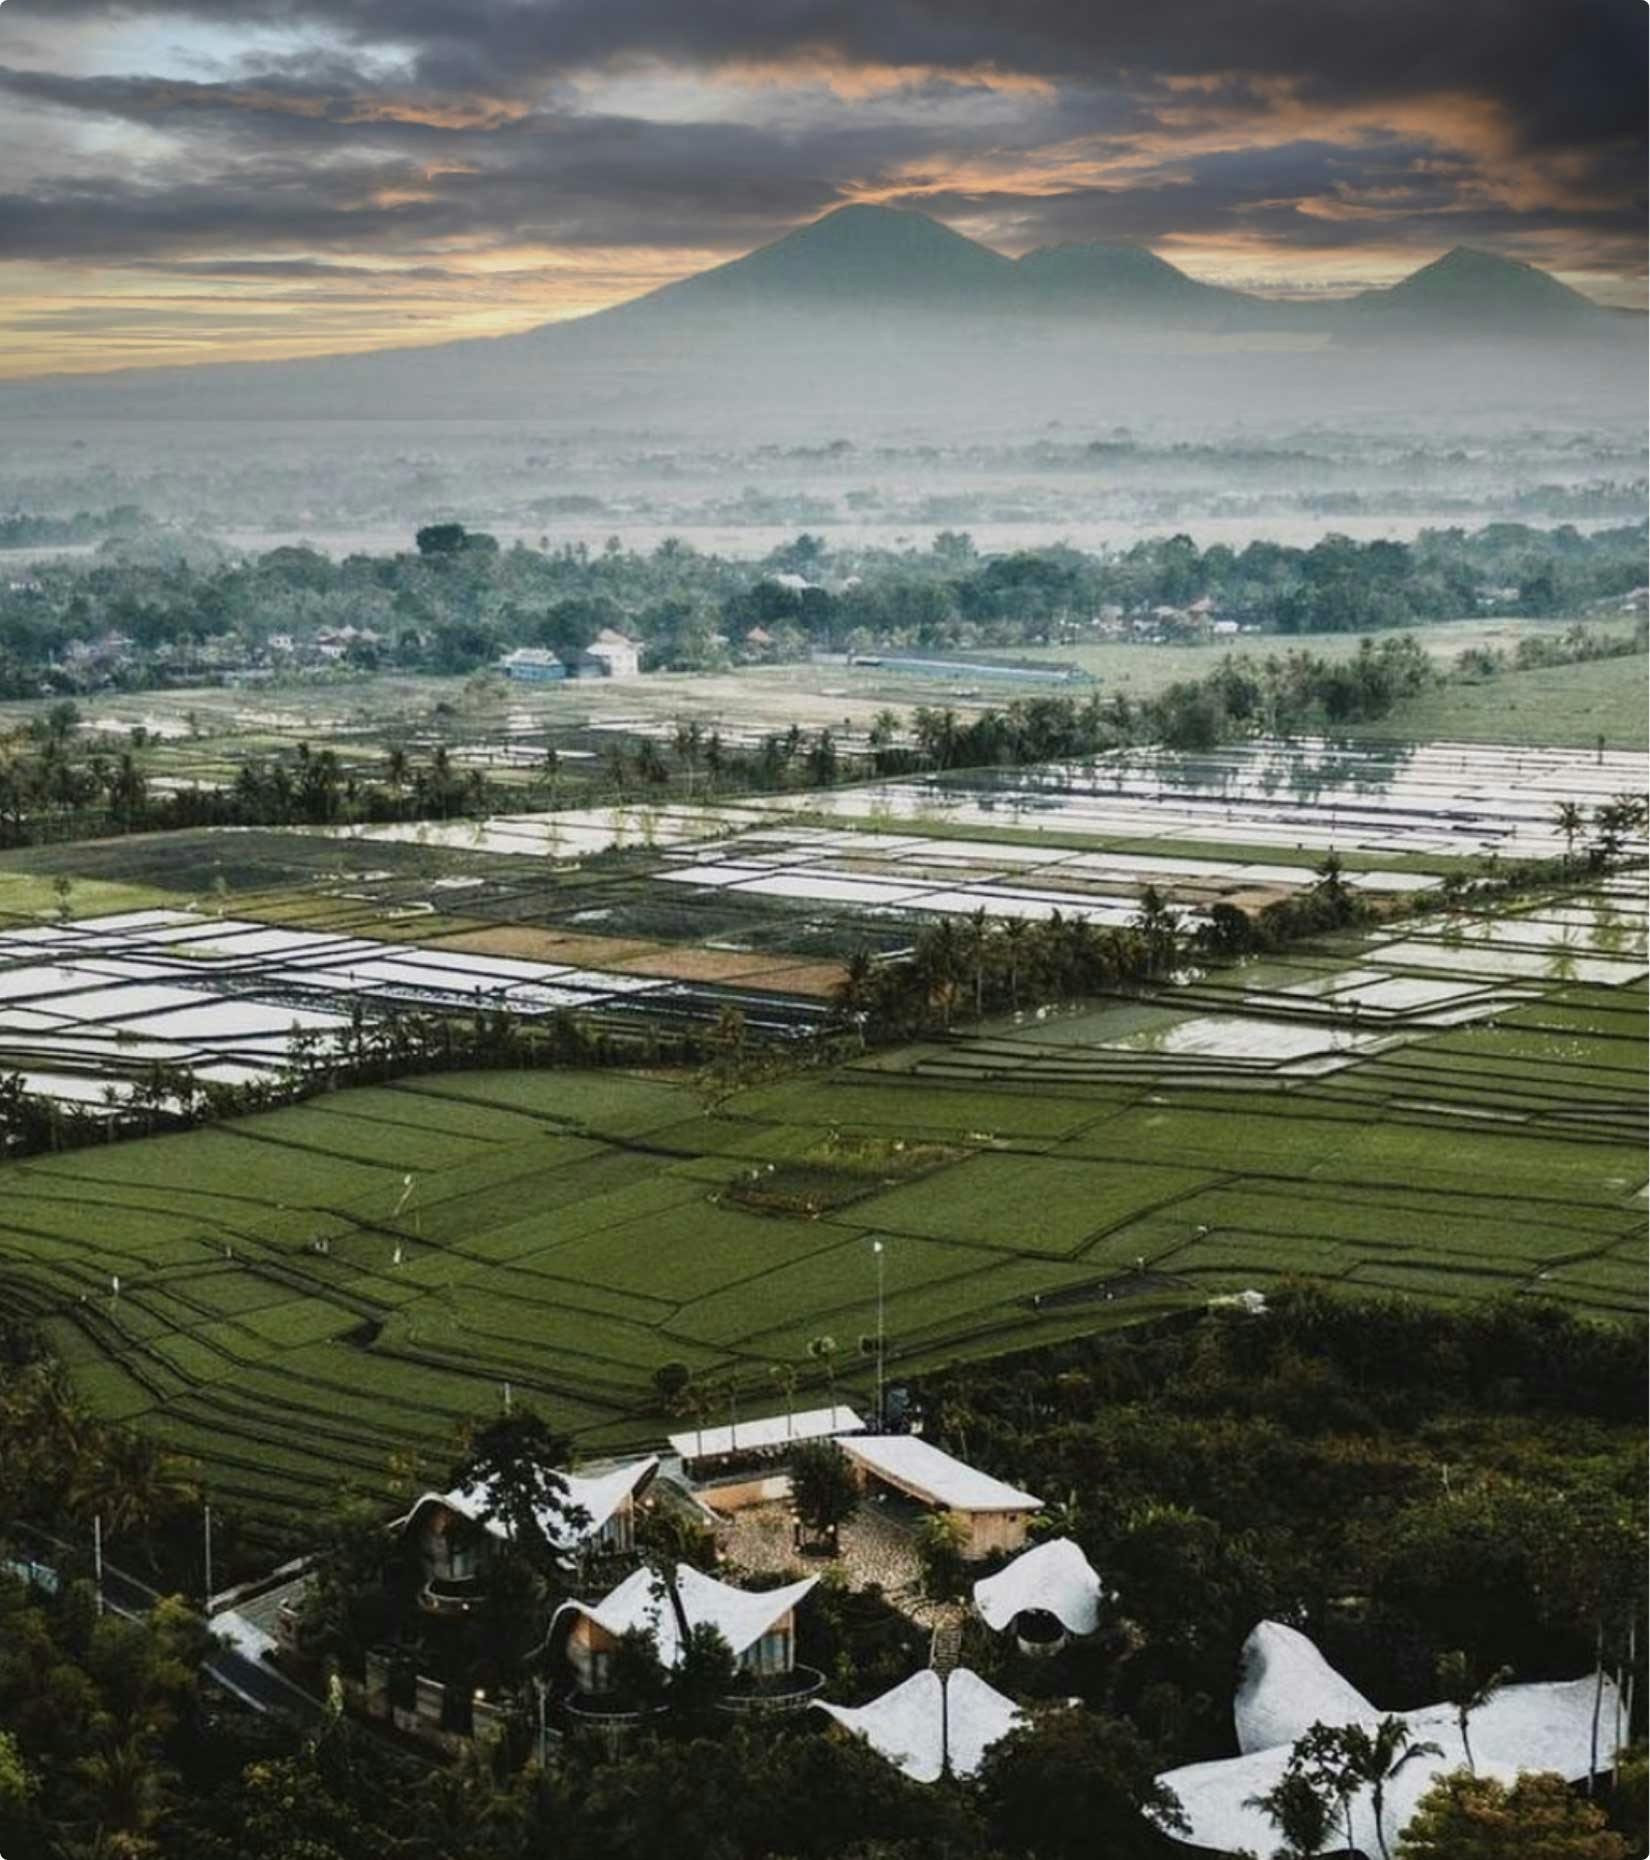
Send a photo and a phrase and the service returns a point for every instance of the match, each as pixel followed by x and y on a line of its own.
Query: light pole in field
pixel 876 1247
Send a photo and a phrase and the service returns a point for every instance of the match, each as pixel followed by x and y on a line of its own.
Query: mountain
pixel 1123 280
pixel 1468 291
pixel 886 317
pixel 856 255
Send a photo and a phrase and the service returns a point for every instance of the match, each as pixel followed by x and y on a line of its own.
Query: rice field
pixel 90 1007
pixel 1370 801
pixel 1452 1107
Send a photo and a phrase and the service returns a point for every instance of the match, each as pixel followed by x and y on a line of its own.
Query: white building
pixel 610 655
pixel 992 1515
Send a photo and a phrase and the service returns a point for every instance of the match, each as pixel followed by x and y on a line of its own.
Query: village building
pixel 532 665
pixel 992 1515
pixel 335 642
pixel 106 650
pixel 609 655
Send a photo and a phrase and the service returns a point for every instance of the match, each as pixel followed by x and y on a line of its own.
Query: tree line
pixel 458 600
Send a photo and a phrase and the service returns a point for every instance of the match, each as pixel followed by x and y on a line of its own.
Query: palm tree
pixel 1331 877
pixel 976 949
pixel 938 964
pixel 1300 1811
pixel 784 1375
pixel 1571 822
pixel 1159 927
pixel 133 1483
pixel 1377 1758
pixel 129 1786
pixel 650 765
pixel 1467 1692
pixel 1014 932
pixel 823 1350
pixel 686 741
pixel 853 992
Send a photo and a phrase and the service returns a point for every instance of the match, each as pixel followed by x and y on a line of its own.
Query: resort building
pixel 1288 1686
pixel 768 1436
pixel 930 1727
pixel 758 1626
pixel 992 1514
pixel 453 1535
pixel 1044 1595
pixel 741 1465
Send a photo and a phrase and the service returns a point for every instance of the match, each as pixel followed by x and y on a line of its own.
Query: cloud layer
pixel 280 176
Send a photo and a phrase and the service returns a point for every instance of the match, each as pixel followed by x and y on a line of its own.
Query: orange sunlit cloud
pixel 307 199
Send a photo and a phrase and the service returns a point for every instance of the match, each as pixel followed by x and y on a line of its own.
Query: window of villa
pixel 772 1653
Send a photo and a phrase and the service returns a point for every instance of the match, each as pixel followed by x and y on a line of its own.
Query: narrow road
pixel 256 1683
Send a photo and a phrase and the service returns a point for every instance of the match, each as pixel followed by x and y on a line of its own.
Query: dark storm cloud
pixel 396 129
pixel 1569 72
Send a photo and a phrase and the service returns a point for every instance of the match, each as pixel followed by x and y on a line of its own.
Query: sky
pixel 236 179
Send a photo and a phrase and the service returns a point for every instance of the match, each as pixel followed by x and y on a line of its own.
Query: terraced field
pixel 1453 1107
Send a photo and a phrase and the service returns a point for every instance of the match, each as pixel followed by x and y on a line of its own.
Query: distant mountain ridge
pixel 867 256
pixel 1468 284
pixel 853 254
pixel 866 308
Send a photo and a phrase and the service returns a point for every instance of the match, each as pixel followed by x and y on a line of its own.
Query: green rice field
pixel 1449 1107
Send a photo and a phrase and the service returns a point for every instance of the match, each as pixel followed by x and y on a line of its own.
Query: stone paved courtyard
pixel 875 1547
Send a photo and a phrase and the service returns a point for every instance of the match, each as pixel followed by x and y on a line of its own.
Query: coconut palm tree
pixel 1377 1757
pixel 784 1376
pixel 1300 1811
pixel 1014 931
pixel 823 1351
pixel 1462 1685
pixel 853 992
pixel 134 1484
pixel 1159 927
pixel 129 1787
pixel 977 943
pixel 1571 822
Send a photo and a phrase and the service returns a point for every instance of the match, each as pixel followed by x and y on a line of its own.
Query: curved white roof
pixel 924 1719
pixel 1054 1576
pixel 1288 1686
pixel 598 1495
pixel 905 1725
pixel 977 1716
pixel 918 1467
pixel 740 1616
